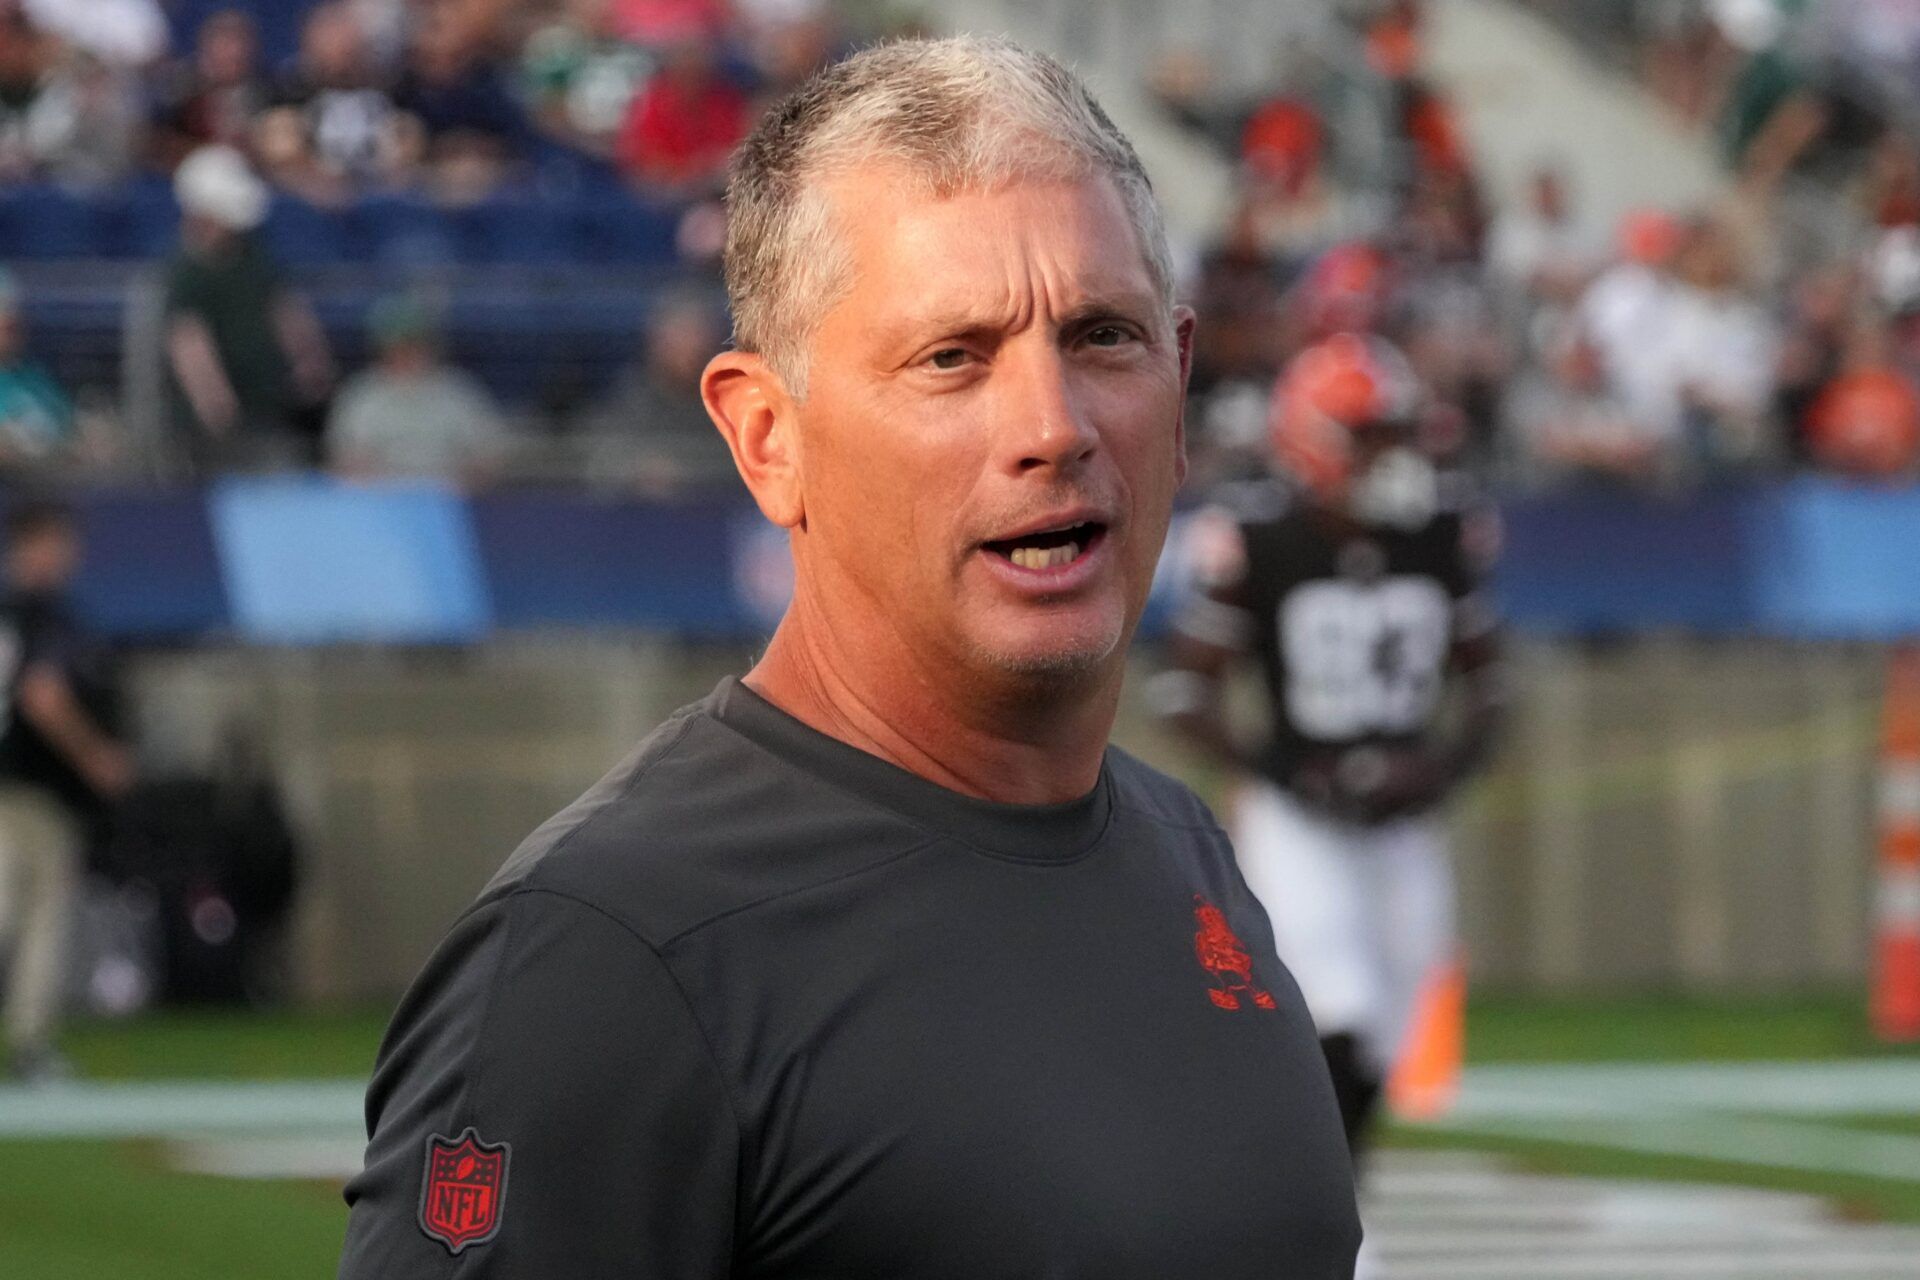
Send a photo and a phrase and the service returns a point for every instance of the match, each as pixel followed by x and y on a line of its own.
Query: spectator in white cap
pixel 250 367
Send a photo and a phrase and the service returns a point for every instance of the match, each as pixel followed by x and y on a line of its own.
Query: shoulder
pixel 1217 542
pixel 1143 791
pixel 186 276
pixel 355 394
pixel 700 823
pixel 458 383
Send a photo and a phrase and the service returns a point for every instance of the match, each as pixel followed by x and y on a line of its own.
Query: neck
pixel 1035 740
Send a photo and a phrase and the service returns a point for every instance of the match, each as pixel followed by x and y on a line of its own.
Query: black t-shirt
pixel 763 1005
pixel 1352 626
pixel 37 629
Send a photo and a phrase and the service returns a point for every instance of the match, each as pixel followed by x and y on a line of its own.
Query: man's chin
pixel 1055 658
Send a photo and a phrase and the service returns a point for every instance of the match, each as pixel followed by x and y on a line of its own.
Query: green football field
pixel 106 1204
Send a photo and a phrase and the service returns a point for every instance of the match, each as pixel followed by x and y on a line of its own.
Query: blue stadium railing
pixel 583 220
pixel 304 560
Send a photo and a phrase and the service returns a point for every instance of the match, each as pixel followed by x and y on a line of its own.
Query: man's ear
pixel 1184 322
pixel 749 404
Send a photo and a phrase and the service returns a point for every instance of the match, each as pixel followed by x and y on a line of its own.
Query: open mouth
pixel 1050 548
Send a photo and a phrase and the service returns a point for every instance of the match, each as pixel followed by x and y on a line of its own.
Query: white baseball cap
pixel 217 184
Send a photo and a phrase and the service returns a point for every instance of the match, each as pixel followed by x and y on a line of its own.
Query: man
pixel 878 962
pixel 247 356
pixel 335 84
pixel 58 763
pixel 410 413
pixel 650 431
pixel 1356 591
pixel 217 96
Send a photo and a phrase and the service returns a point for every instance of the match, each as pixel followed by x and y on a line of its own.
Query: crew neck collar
pixel 1028 833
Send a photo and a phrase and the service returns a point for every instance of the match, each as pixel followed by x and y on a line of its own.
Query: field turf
pixel 80 1209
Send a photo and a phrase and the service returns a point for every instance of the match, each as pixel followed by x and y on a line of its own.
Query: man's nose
pixel 1044 422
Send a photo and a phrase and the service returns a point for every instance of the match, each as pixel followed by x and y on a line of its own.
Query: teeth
pixel 1045 557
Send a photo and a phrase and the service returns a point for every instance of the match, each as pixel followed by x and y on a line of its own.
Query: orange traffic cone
pixel 1426 1079
pixel 1896 982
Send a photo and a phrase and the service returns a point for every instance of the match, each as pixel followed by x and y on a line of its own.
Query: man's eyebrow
pixel 952 324
pixel 1129 304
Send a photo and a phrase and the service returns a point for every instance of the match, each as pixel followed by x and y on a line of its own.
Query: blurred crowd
pixel 1777 329
pixel 450 102
pixel 450 97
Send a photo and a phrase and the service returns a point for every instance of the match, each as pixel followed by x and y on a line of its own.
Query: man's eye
pixel 1108 335
pixel 948 358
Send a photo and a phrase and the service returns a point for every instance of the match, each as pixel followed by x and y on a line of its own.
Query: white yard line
pixel 1871 1086
pixel 1441 1218
pixel 1730 1139
pixel 155 1109
pixel 1753 1113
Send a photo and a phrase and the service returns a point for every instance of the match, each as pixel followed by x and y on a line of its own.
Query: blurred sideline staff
pixel 1354 585
pixel 59 763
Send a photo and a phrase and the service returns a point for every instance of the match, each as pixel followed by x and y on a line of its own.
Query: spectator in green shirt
pixel 411 414
pixel 249 362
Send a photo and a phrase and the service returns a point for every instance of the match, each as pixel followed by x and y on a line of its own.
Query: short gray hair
pixel 962 114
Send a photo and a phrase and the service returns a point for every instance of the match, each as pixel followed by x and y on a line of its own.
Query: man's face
pixel 226 51
pixel 992 434
pixel 44 560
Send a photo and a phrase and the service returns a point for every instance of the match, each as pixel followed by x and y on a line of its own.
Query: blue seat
pixel 302 234
pixel 621 229
pixel 522 231
pixel 276 23
pixel 44 222
pixel 402 231
pixel 147 222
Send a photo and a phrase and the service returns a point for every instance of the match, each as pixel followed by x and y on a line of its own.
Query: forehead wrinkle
pixel 894 242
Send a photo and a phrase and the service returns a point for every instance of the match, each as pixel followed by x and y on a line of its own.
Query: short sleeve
pixel 599 1136
pixel 186 290
pixel 45 639
pixel 486 432
pixel 349 423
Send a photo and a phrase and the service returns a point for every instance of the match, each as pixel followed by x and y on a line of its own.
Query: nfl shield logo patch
pixel 465 1186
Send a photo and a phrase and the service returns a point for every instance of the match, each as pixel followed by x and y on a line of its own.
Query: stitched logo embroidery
pixel 465 1186
pixel 1226 959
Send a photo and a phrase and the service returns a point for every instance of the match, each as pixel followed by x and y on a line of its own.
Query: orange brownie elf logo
pixel 1226 959
pixel 465 1186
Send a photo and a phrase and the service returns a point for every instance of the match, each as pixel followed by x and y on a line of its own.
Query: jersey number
pixel 1363 658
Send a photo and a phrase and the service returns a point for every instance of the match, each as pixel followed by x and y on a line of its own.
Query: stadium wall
pixel 1680 814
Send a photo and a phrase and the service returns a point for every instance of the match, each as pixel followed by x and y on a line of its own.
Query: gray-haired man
pixel 880 962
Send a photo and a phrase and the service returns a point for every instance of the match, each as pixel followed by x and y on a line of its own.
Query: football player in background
pixel 1353 581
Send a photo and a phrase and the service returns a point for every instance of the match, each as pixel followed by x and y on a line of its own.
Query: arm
pixel 1189 695
pixel 545 1024
pixel 196 366
pixel 1475 661
pixel 305 345
pixel 47 702
pixel 1210 635
pixel 489 439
